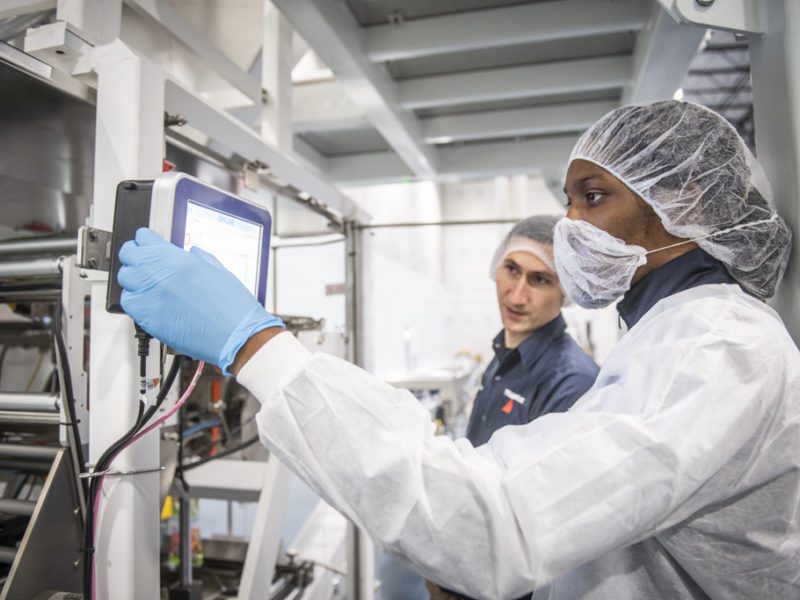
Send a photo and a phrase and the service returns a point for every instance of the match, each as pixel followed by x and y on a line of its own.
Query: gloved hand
pixel 188 300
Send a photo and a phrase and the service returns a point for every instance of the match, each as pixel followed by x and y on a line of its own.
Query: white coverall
pixel 676 476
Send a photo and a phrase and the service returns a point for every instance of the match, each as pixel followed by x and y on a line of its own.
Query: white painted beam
pixel 331 30
pixel 96 21
pixel 548 154
pixel 163 14
pixel 506 158
pixel 324 106
pixel 129 144
pixel 233 99
pixel 14 8
pixel 516 82
pixel 235 135
pixel 504 26
pixel 367 169
pixel 736 16
pixel 276 77
pixel 309 155
pixel 299 49
pixel 664 51
pixel 540 120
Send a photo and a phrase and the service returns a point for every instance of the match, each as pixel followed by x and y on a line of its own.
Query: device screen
pixel 234 241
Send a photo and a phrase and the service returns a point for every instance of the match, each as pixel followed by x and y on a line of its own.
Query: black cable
pixel 224 453
pixel 166 384
pixel 179 469
pixel 105 461
pixel 143 350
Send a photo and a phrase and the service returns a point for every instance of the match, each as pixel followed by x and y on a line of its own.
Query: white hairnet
pixel 694 169
pixel 533 235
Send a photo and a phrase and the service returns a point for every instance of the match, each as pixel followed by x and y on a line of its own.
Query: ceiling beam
pixel 332 31
pixel 503 27
pixel 309 155
pixel 457 162
pixel 372 168
pixel 540 120
pixel 516 82
pixel 233 135
pixel 661 58
pixel 506 158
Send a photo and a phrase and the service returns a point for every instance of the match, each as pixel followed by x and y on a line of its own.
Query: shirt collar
pixel 689 270
pixel 532 347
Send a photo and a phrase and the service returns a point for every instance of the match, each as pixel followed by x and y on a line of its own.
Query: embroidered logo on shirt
pixel 513 397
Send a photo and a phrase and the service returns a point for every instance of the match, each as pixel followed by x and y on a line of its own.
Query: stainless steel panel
pixel 46 156
pixel 50 550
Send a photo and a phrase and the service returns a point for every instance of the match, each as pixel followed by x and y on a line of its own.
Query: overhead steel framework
pixel 511 80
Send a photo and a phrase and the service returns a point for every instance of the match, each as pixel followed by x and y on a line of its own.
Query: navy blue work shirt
pixel 687 271
pixel 546 373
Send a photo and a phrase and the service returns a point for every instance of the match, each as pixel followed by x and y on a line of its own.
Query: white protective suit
pixel 676 476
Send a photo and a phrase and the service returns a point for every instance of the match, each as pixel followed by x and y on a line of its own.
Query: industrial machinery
pixel 41 454
pixel 69 372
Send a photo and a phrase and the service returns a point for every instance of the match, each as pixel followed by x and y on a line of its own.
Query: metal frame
pixel 329 25
pixel 773 31
pixel 233 134
pixel 502 26
pixel 54 532
pixel 528 81
pixel 161 13
pixel 739 16
pixel 76 287
pixel 132 95
pixel 661 58
pixel 262 551
pixel 360 551
pixel 129 145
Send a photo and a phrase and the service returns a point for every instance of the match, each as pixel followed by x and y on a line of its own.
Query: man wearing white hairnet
pixel 676 476
pixel 538 368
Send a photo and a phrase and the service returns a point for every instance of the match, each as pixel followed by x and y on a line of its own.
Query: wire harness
pixel 137 431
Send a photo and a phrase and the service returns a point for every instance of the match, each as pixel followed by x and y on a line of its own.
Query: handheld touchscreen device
pixel 188 212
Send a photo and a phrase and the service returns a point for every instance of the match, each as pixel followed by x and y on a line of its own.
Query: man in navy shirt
pixel 538 368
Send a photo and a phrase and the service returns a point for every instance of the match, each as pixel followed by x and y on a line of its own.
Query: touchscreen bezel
pixel 173 192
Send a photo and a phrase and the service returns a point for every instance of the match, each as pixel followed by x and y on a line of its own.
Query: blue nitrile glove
pixel 188 300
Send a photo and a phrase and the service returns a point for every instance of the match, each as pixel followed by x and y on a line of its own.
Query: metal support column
pixel 775 69
pixel 276 79
pixel 185 505
pixel 264 546
pixel 360 551
pixel 129 145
